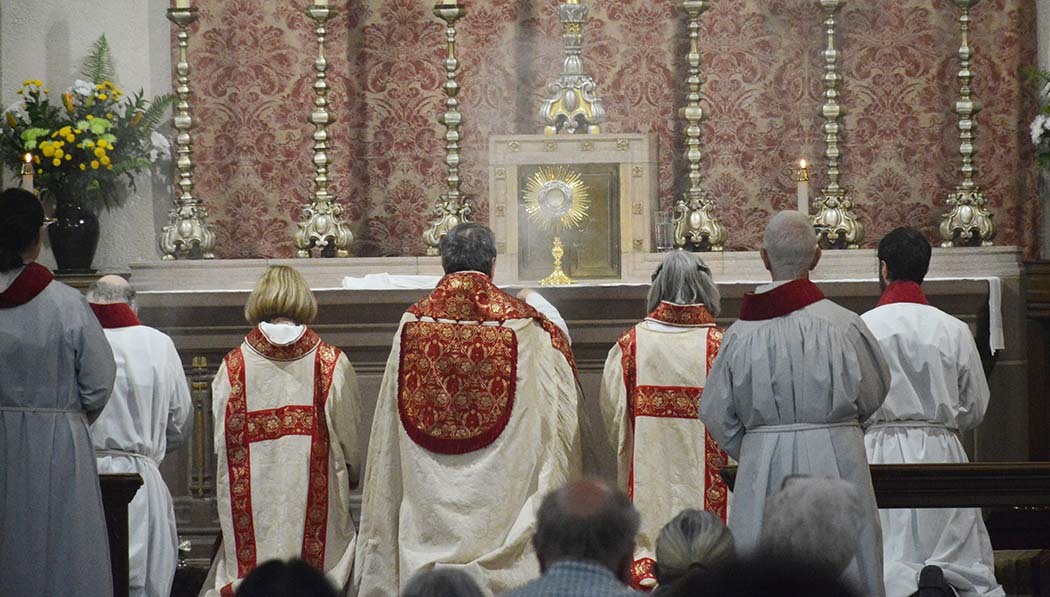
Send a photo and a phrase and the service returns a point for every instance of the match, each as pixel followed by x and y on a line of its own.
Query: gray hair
pixel 112 289
pixel 683 278
pixel 790 244
pixel 442 582
pixel 586 520
pixel 694 538
pixel 468 247
pixel 815 521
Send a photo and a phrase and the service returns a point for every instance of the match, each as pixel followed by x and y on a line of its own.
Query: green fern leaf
pixel 98 66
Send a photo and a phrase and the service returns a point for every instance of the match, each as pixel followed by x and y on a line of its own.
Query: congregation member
pixel 651 392
pixel 56 374
pixel 294 578
pixel 287 412
pixel 938 389
pixel 147 416
pixel 477 418
pixel 442 582
pixel 693 540
pixel 793 380
pixel 584 542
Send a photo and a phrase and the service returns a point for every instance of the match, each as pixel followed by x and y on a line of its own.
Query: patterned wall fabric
pixel 762 63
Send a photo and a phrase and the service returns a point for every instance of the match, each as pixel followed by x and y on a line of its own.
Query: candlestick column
pixel 695 225
pixel 187 234
pixel 968 221
pixel 834 221
pixel 452 207
pixel 322 224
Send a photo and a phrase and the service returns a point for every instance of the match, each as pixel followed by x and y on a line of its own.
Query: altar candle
pixel 182 3
pixel 803 187
pixel 27 172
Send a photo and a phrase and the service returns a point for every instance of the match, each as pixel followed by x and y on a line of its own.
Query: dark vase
pixel 74 237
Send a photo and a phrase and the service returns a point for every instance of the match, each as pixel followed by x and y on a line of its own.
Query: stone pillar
pixel 1043 7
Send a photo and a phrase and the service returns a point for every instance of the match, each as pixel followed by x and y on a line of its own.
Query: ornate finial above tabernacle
pixel 573 105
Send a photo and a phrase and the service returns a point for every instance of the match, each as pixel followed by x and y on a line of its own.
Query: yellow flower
pixel 90 117
pixel 103 96
pixel 89 143
pixel 36 159
pixel 11 120
pixel 39 170
pixel 71 138
pixel 83 167
pixel 99 152
pixel 69 156
pixel 77 131
pixel 109 167
pixel 94 164
pixel 47 150
pixel 105 160
pixel 59 153
pixel 57 162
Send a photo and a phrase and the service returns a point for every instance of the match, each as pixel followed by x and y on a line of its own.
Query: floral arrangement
pixel 86 144
pixel 1040 128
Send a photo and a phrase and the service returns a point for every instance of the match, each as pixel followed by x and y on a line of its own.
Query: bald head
pixel 789 247
pixel 108 290
pixel 587 520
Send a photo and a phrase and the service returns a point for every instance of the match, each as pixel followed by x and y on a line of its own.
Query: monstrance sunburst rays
pixel 556 199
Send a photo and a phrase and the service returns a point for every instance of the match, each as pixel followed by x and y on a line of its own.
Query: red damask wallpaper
pixel 762 66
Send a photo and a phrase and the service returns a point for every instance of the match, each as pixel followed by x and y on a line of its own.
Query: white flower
pixel 1037 127
pixel 161 147
pixel 18 110
pixel 83 88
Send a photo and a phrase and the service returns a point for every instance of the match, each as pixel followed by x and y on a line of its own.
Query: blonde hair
pixel 281 292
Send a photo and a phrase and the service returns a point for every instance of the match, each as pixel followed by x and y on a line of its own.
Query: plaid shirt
pixel 575 578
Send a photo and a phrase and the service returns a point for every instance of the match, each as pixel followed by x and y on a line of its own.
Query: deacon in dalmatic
pixel 287 411
pixel 476 421
pixel 793 380
pixel 651 391
pixel 938 389
pixel 56 374
pixel 147 416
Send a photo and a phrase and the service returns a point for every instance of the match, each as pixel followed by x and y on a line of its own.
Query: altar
pixel 200 305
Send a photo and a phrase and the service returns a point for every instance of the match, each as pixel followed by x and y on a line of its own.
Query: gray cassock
pixel 786 396
pixel 56 371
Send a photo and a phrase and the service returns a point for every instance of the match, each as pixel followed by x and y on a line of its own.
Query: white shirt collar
pixel 282 334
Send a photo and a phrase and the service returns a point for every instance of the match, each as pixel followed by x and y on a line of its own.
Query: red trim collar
pixel 904 291
pixel 31 282
pixel 258 341
pixel 682 315
pixel 784 299
pixel 115 315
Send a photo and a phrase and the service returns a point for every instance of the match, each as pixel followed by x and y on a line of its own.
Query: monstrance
pixel 556 199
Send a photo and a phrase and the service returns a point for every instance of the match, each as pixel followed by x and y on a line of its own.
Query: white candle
pixel 803 187
pixel 182 3
pixel 27 172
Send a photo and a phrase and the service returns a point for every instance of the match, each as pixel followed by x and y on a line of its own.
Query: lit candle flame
pixel 802 164
pixel 28 158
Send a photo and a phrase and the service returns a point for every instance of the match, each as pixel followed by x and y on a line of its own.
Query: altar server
pixel 147 416
pixel 287 412
pixel 476 421
pixel 792 382
pixel 938 389
pixel 651 392
pixel 56 374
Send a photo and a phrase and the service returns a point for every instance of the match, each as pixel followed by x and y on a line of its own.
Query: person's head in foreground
pixel 814 522
pixel 21 228
pixel 683 278
pixel 695 539
pixel 281 296
pixel 587 521
pixel 904 256
pixel 111 290
pixel 294 578
pixel 441 582
pixel 761 577
pixel 469 247
pixel 789 247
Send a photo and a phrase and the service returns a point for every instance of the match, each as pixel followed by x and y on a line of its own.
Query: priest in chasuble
pixel 287 411
pixel 147 416
pixel 476 421
pixel 56 374
pixel 938 389
pixel 793 380
pixel 652 388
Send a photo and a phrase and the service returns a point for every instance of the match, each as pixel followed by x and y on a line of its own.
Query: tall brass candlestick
pixel 834 221
pixel 322 224
pixel 187 233
pixel 573 105
pixel 695 224
pixel 968 221
pixel 452 207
